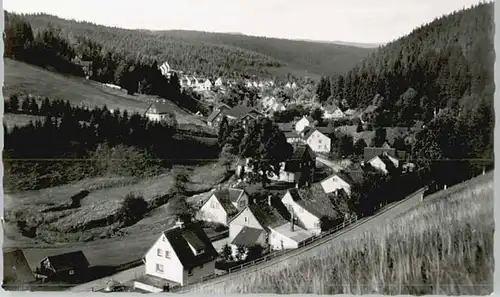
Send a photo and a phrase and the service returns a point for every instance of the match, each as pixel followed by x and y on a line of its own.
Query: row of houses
pixel 280 223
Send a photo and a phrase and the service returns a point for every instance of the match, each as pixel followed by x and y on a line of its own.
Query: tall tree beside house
pixel 359 128
pixel 266 146
pixel 317 115
pixel 223 131
pixel 180 208
pixel 227 252
pixel 380 137
pixel 323 90
pixel 359 147
pixel 132 209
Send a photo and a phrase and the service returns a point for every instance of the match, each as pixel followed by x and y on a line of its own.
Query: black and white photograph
pixel 256 147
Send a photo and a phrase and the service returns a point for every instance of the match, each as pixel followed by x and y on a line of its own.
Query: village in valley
pixel 187 177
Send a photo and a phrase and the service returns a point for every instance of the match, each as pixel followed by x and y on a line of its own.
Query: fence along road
pixel 386 213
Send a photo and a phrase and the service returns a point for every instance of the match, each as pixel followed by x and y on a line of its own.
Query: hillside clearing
pixel 441 247
pixel 56 223
pixel 24 78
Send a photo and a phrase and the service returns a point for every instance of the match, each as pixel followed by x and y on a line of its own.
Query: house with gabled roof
pixel 158 112
pixel 310 206
pixel 383 158
pixel 268 224
pixel 241 113
pixel 305 121
pixel 299 168
pixel 70 267
pixel 341 181
pixel 222 205
pixel 219 82
pixel 17 273
pixel 180 255
pixel 333 112
pixel 319 142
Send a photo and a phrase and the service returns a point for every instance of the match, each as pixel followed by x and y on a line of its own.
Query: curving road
pixel 385 214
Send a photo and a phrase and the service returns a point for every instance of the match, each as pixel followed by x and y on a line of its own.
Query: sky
pixel 363 21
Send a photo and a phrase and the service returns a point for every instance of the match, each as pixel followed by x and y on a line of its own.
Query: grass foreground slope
pixel 24 78
pixel 443 246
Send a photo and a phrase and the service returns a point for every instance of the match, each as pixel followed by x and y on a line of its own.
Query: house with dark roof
pixel 265 223
pixel 310 206
pixel 158 111
pixel 299 168
pixel 383 157
pixel 341 181
pixel 238 113
pixel 222 205
pixel 17 274
pixel 181 254
pixel 69 267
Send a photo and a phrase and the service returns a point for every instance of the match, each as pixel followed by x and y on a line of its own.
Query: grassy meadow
pixel 28 79
pixel 444 247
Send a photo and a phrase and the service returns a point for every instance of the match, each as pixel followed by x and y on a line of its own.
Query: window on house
pixel 71 272
pixel 159 268
pixel 246 219
pixel 159 252
pixel 167 254
pixel 213 204
pixel 190 272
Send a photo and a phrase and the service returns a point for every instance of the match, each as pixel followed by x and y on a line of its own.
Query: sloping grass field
pixel 28 79
pixel 443 246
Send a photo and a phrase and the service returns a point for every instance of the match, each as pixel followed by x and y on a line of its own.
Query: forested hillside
pixel 442 74
pixel 214 54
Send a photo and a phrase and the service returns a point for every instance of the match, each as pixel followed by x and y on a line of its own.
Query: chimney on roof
pixel 269 200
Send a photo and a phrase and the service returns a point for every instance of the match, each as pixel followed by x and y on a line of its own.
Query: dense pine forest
pixel 213 54
pixel 441 74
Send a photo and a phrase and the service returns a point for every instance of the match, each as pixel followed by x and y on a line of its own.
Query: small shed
pixel 72 266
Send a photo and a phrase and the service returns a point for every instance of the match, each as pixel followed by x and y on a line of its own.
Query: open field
pixel 440 247
pixel 10 120
pixel 28 79
pixel 85 227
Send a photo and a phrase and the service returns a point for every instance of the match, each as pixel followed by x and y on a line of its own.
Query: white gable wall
pixel 278 241
pixel 301 124
pixel 307 219
pixel 376 162
pixel 244 218
pixel 172 267
pixel 242 201
pixel 334 183
pixel 319 142
pixel 212 211
pixel 195 274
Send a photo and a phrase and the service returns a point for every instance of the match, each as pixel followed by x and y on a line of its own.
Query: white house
pixel 288 236
pixel 305 121
pixel 182 254
pixel 223 205
pixel 333 113
pixel 309 206
pixel 165 69
pixel 252 225
pixel 382 161
pixel 206 85
pixel 319 142
pixel 219 83
pixel 158 112
pixel 339 181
